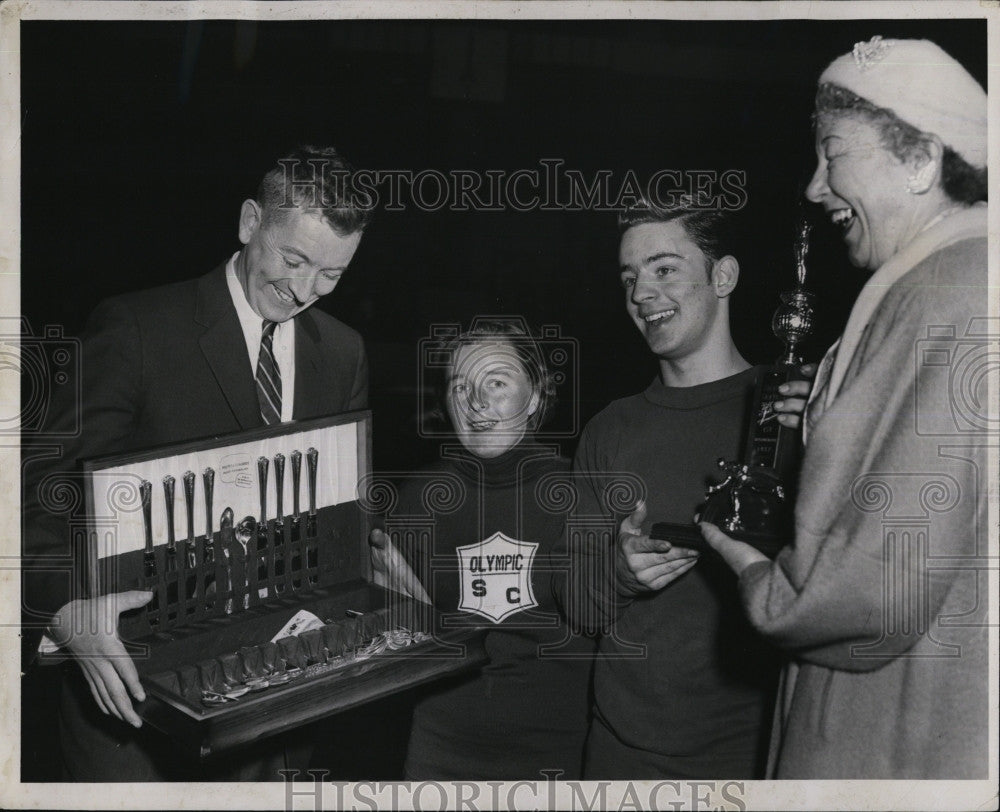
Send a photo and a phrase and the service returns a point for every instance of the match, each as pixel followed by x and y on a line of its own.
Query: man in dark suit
pixel 235 349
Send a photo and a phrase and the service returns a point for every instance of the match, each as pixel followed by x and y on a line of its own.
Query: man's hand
pixel 643 564
pixel 737 554
pixel 391 570
pixel 794 396
pixel 89 630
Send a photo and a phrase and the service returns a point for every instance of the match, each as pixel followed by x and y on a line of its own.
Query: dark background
pixel 140 141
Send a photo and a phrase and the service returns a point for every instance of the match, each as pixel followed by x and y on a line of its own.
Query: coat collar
pixel 224 347
pixel 310 383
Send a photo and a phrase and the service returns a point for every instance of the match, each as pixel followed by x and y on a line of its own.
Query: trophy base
pixel 689 535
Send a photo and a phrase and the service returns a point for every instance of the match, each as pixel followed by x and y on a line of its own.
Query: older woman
pixel 881 597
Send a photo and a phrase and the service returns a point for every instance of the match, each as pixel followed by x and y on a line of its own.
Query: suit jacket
pixel 162 366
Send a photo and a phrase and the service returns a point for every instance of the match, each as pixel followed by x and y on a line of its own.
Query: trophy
pixel 753 502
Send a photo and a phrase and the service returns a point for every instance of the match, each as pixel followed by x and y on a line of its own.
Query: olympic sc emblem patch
pixel 496 577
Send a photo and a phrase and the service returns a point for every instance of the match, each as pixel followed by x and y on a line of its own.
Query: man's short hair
pixel 713 230
pixel 316 179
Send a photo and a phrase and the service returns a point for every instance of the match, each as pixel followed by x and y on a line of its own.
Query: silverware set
pixel 258 539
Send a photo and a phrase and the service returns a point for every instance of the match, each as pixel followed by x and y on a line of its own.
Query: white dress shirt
pixel 282 344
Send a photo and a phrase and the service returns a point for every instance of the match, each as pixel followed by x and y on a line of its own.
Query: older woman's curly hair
pixel 513 334
pixel 961 181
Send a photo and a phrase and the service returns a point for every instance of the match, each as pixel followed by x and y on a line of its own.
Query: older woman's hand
pixel 794 395
pixel 737 554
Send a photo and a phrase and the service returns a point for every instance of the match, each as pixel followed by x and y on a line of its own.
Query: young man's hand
pixel 643 564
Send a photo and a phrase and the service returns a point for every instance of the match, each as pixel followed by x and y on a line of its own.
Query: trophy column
pixel 769 444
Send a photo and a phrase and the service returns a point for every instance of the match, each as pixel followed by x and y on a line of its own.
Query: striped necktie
pixel 268 377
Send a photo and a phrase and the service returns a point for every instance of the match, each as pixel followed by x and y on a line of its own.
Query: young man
pixel 235 349
pixel 682 686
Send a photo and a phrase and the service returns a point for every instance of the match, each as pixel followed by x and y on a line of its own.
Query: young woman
pixel 526 710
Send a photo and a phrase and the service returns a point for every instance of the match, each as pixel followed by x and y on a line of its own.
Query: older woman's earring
pixel 920 180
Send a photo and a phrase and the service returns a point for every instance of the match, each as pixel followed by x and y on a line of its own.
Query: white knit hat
pixel 922 85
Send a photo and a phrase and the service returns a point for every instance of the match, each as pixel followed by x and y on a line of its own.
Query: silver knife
pixel 312 459
pixel 190 550
pixel 208 551
pixel 262 468
pixel 296 487
pixel 279 487
pixel 148 556
pixel 225 537
pixel 168 500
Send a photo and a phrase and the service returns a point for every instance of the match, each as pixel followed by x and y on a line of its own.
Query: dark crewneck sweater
pixel 705 684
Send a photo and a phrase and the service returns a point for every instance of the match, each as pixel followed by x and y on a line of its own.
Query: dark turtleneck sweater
pixel 525 710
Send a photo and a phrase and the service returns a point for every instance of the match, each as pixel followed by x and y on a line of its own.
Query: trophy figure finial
pixel 795 318
pixel 802 251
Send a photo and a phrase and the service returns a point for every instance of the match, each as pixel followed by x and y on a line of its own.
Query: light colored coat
pixel 881 600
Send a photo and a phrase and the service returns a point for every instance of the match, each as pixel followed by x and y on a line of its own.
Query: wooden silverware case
pixel 235 535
